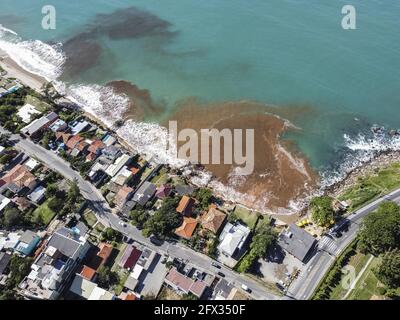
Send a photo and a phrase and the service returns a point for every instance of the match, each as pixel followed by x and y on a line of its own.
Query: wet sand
pixel 15 71
pixel 280 173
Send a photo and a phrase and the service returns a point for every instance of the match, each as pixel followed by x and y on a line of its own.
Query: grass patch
pixel 40 105
pixel 371 187
pixel 248 217
pixel 161 177
pixel 44 212
pixel 89 218
pixel 123 275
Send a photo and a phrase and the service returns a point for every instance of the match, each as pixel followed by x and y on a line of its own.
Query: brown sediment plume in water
pixel 281 174
pixel 141 104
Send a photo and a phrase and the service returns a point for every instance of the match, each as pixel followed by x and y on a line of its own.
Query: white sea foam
pixel 34 56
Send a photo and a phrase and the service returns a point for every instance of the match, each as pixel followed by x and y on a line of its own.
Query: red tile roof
pixel 20 176
pixel 105 252
pixel 63 136
pixel 187 228
pixel 163 191
pixel 122 195
pixel 96 146
pixel 130 257
pixel 185 206
pixel 73 141
pixel 213 219
pixel 88 273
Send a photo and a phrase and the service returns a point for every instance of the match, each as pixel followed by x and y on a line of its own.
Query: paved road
pixel 311 275
pixel 106 217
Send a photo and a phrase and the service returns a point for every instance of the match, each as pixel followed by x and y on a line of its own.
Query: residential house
pixel 213 219
pixel 95 149
pixel 183 284
pixel 22 203
pixel 297 242
pixel 88 273
pixel 63 137
pixel 130 257
pixel 28 242
pixel 37 195
pixel 88 290
pixel 58 125
pixel 58 260
pixel 184 190
pixel 145 193
pixel 100 256
pixel 9 240
pixel 79 126
pixel 122 196
pixel 122 177
pixel 73 142
pixel 26 112
pixel 31 164
pixel 111 152
pixel 5 259
pixel 185 206
pixel 21 178
pixel 37 126
pixel 163 191
pixel 4 202
pixel 232 239
pixel 118 164
pixel 187 228
pixel 109 140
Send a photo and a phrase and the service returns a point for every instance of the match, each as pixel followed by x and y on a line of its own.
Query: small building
pixel 5 259
pixel 163 191
pixel 111 152
pixel 95 149
pixel 28 242
pixel 58 125
pixel 37 126
pixel 26 112
pixel 297 242
pixel 21 178
pixel 122 196
pixel 213 219
pixel 88 290
pixel 118 164
pixel 232 239
pixel 4 202
pixel 37 195
pixel 183 284
pixel 88 273
pixel 187 228
pixel 31 164
pixel 79 126
pixel 130 257
pixel 122 177
pixel 145 193
pixel 185 206
pixel 109 140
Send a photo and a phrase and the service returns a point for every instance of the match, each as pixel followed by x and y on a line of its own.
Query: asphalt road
pixel 313 272
pixel 109 219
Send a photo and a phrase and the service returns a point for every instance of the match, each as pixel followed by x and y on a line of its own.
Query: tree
pixel 205 197
pixel 12 217
pixel 106 278
pixel 322 211
pixel 56 204
pixel 73 192
pixel 380 230
pixel 388 271
pixel 262 241
pixel 51 190
pixel 112 235
pixel 5 139
pixel 19 268
pixel 164 221
pixel 139 217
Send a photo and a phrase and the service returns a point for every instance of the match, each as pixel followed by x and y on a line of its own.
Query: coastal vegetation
pixel 265 238
pixel 372 186
pixel 375 253
pixel 322 212
pixel 380 230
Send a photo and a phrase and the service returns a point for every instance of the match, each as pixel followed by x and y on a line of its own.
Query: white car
pixel 245 288
pixel 121 223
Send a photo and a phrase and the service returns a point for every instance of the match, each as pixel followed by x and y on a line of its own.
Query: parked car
pixel 221 274
pixel 246 288
pixel 216 265
pixel 155 240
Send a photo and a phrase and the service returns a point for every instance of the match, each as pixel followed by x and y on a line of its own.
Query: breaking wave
pixel 359 150
pixel 34 56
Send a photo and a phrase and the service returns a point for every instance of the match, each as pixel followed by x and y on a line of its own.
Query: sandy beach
pixel 15 71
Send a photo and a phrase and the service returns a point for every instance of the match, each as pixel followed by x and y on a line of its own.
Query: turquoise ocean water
pixel 281 52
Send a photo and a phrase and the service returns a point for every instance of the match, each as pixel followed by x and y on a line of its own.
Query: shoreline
pixel 380 160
